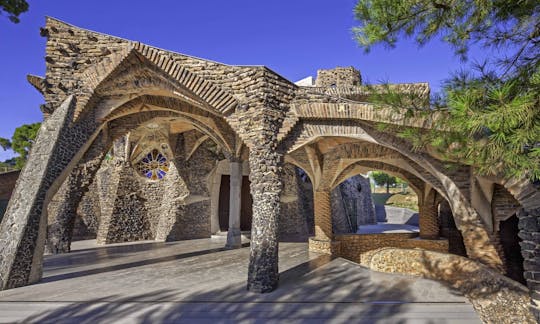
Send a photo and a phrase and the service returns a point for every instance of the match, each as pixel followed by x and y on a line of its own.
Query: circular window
pixel 154 165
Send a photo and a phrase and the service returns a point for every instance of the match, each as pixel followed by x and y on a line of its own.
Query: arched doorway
pixel 246 212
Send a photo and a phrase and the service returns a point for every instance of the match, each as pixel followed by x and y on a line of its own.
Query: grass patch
pixel 380 198
pixel 403 200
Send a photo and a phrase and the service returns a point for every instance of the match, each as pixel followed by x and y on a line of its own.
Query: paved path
pixel 197 281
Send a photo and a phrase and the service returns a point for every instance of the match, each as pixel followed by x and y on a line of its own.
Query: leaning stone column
pixel 23 229
pixel 234 236
pixel 323 240
pixel 428 221
pixel 266 185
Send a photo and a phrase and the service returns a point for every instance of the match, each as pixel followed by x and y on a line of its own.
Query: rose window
pixel 154 165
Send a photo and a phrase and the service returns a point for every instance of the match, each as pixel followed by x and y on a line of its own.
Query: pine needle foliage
pixel 490 114
pixel 13 8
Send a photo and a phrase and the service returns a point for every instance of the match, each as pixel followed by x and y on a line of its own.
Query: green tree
pixel 5 144
pixel 13 8
pixel 22 141
pixel 383 179
pixel 493 117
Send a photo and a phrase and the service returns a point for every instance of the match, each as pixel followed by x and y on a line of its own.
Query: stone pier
pixel 234 236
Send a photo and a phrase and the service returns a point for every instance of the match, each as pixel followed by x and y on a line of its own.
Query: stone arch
pixel 305 131
pixel 214 127
pixel 71 139
pixel 415 183
pixel 477 239
pixel 141 68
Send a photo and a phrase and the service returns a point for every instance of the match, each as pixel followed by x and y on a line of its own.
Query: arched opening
pixel 395 202
pixel 155 186
pixel 246 212
pixel 449 229
pixel 508 235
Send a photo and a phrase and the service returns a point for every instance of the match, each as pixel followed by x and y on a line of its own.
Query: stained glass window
pixel 154 165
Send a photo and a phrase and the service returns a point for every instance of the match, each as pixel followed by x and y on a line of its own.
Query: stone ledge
pixel 496 298
pixel 354 246
pixel 324 246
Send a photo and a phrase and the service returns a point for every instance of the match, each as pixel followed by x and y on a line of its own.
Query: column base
pixel 57 248
pixel 324 246
pixel 234 238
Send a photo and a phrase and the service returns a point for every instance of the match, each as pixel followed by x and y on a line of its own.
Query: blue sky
pixel 292 37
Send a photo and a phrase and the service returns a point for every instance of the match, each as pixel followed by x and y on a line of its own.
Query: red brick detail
pixel 323 215
pixel 428 222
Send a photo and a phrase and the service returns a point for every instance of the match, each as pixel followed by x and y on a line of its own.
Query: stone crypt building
pixel 144 143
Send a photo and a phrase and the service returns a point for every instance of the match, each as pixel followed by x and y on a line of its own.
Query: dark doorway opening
pixel 245 208
pixel 508 233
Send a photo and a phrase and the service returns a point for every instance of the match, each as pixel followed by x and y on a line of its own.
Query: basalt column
pixel 234 236
pixel 266 185
pixel 23 229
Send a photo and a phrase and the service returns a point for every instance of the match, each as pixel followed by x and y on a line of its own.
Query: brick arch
pixel 215 127
pixel 304 165
pixel 140 68
pixel 416 183
pixel 305 131
pixel 79 181
pixel 216 97
pixel 477 239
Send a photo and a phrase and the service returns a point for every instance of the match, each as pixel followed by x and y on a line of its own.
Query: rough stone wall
pixel 70 51
pixel 192 218
pixel 125 217
pixel 168 205
pixel 354 246
pixel 495 298
pixel 174 208
pixel 338 77
pixel 347 201
pixel 81 231
pixel 340 213
pixel 89 211
pixel 305 194
pixel 293 220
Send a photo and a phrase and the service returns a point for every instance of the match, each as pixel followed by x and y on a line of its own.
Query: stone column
pixel 428 221
pixel 24 226
pixel 322 209
pixel 234 236
pixel 266 185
